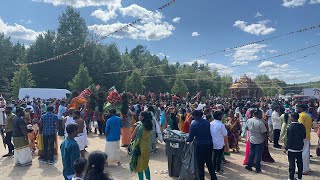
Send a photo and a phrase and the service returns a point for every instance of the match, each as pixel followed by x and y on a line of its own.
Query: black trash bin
pixel 174 149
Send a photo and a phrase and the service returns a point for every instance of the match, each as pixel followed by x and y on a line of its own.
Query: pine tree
pixel 21 79
pixel 179 87
pixel 134 83
pixel 81 80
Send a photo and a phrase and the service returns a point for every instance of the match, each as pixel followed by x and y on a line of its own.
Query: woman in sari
pixel 140 157
pixel 234 129
pixel 249 114
pixel 285 121
pixel 266 157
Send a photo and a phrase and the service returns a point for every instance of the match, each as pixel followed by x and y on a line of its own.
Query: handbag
pixel 136 151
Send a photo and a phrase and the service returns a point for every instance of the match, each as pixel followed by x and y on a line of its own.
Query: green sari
pixel 136 148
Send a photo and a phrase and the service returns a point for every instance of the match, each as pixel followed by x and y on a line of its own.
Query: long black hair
pixel 125 104
pixel 151 109
pixel 147 120
pixel 286 117
pixel 95 169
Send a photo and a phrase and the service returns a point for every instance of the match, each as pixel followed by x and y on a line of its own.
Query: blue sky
pixel 190 28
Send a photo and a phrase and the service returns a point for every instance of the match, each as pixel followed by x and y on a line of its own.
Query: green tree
pixel 71 34
pixel 6 67
pixel 42 48
pixel 134 83
pixel 226 82
pixel 281 91
pixel 179 87
pixel 81 80
pixel 21 79
pixel 264 82
pixel 216 78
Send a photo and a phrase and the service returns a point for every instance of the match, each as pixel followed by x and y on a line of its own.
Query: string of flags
pixel 97 40
pixel 259 41
pixel 236 47
pixel 268 81
pixel 268 58
pixel 141 69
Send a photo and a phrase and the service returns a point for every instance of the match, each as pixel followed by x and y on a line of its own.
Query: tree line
pixel 93 63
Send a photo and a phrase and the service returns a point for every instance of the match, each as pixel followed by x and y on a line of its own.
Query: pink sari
pixel 246 158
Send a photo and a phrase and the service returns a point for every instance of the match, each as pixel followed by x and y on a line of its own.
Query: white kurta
pixel 306 155
pixel 112 149
pixel 22 156
pixel 82 138
pixel 2 116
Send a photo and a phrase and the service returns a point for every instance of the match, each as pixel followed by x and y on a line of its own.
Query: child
pixel 96 164
pixel 70 151
pixel 296 133
pixel 79 167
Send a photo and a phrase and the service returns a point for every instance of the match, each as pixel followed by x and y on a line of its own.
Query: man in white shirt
pixel 275 117
pixel 218 132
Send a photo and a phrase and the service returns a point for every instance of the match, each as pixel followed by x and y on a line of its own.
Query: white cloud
pixel 272 51
pixel 271 64
pixel 82 3
pixel 18 32
pixel 314 1
pixel 247 53
pixel 199 61
pixel 259 28
pixel 104 15
pixel 282 71
pixel 293 3
pixel 148 31
pixel 134 11
pixel 140 12
pixel 162 55
pixel 195 34
pixel 222 69
pixel 176 19
pixel 152 27
pixel 258 15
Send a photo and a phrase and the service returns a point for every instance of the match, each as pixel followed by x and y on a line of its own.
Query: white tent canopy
pixel 43 93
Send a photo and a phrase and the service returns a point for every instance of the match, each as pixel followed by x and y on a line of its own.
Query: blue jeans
pixel 48 147
pixel 256 150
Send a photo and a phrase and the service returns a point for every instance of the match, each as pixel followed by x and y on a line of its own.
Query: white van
pixel 43 93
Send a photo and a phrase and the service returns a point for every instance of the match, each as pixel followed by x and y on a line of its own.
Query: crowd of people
pixel 215 124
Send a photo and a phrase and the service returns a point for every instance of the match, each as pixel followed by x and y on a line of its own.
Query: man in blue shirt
pixel 61 112
pixel 200 133
pixel 48 126
pixel 113 132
